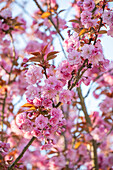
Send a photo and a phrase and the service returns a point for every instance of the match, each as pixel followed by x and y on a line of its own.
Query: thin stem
pixel 22 153
pixel 78 77
pixel 14 54
pixel 62 48
pixel 100 25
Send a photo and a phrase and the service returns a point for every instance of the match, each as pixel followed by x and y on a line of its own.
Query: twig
pixel 14 54
pixel 100 25
pixel 62 48
pixel 22 153
pixel 78 77
pixel 2 116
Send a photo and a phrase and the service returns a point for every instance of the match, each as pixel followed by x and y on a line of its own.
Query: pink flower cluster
pixel 34 74
pixel 86 19
pixel 42 126
pixel 86 15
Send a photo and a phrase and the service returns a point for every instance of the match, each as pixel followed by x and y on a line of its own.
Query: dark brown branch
pixel 22 153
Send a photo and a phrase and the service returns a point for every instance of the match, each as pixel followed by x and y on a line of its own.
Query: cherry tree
pixel 46 62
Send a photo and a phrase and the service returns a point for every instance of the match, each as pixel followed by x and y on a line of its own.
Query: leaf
pixel 36 59
pixel 32 108
pixel 61 11
pixel 45 15
pixel 28 105
pixel 76 30
pixel 83 31
pixel 102 32
pixel 52 55
pixel 77 144
pixel 44 49
pixel 74 20
pixel 18 24
pixel 36 53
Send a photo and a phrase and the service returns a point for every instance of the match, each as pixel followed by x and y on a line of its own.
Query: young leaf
pixel 77 145
pixel 102 32
pixel 45 15
pixel 28 105
pixel 61 11
pixel 83 31
pixel 52 55
pixel 32 108
pixel 36 59
pixel 36 53
pixel 44 49
pixel 74 20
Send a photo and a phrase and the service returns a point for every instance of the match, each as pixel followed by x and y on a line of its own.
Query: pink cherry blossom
pixel 65 70
pixel 32 46
pixel 110 31
pixel 108 17
pixel 74 57
pixel 86 17
pixel 88 5
pixel 20 118
pixel 65 96
pixel 72 42
pixel 6 13
pixel 87 51
pixel 32 92
pixel 33 74
pixel 27 125
pixel 41 121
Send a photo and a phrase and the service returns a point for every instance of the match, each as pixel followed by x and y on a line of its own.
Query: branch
pixel 22 153
pixel 83 105
pixel 50 19
pixel 88 121
pixel 2 116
